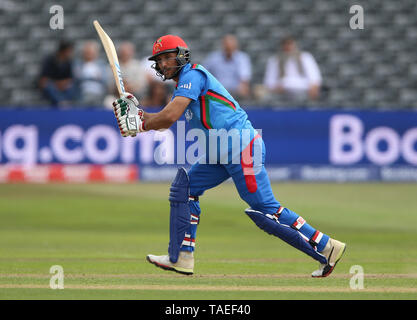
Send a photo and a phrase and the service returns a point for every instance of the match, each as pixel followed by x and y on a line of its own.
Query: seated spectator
pixel 292 73
pixel 56 78
pixel 92 75
pixel 158 95
pixel 231 67
pixel 135 77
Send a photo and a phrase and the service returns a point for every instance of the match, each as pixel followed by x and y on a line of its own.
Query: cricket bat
pixel 111 56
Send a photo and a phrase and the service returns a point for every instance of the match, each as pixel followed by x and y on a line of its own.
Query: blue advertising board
pixel 300 144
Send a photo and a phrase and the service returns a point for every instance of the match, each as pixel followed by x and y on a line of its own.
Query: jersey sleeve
pixel 191 85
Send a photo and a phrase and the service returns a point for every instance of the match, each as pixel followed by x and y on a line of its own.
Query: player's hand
pixel 128 107
pixel 130 125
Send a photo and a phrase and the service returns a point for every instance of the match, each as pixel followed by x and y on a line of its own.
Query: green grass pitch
pixel 100 234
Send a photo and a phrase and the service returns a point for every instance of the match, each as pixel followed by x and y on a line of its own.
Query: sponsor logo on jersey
pixel 188 115
pixel 185 85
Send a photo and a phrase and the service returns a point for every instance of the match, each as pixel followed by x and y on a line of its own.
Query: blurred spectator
pixel 292 73
pixel 135 77
pixel 158 95
pixel 150 72
pixel 231 67
pixel 56 78
pixel 91 75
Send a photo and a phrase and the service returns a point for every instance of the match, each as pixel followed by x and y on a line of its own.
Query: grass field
pixel 101 234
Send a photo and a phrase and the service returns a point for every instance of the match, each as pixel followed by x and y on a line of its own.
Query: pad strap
pixel 315 239
pixel 297 225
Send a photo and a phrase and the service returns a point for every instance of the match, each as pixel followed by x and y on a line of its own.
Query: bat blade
pixel 111 56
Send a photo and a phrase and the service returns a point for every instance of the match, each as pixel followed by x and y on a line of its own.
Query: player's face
pixel 167 63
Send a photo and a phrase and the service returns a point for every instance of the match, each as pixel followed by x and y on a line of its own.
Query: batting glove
pixel 130 125
pixel 129 117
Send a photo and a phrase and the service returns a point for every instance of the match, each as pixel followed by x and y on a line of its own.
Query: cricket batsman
pixel 208 106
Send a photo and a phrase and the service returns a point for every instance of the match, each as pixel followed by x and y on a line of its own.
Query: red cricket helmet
pixel 170 43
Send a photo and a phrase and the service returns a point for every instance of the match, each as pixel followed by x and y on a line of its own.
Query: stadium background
pixel 373 69
pixel 101 232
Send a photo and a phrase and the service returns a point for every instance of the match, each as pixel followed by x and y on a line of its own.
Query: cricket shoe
pixel 333 252
pixel 184 265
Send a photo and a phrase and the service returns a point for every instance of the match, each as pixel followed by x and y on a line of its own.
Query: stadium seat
pixel 348 59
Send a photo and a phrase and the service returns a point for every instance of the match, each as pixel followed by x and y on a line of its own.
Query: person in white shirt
pixel 134 74
pixel 91 75
pixel 293 73
pixel 231 67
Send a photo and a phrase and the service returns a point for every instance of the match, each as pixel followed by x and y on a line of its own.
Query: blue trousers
pixel 253 185
pixel 52 93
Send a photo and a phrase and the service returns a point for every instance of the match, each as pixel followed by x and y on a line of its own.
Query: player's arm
pixel 189 88
pixel 132 120
pixel 168 115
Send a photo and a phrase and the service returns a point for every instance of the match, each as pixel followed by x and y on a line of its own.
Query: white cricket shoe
pixel 333 252
pixel 184 265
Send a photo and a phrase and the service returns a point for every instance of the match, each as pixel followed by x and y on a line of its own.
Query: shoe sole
pixel 324 275
pixel 187 272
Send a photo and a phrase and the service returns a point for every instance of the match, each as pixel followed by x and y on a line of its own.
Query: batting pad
pixel 285 233
pixel 180 214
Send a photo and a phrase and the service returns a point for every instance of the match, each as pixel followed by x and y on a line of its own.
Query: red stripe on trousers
pixel 247 166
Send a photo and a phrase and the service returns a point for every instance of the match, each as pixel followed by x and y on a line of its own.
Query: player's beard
pixel 170 72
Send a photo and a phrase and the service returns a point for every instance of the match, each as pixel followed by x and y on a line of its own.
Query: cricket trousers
pixel 253 185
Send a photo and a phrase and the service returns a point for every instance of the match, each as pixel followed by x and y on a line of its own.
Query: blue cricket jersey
pixel 212 106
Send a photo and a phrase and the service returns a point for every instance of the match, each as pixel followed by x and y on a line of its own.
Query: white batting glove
pixel 130 125
pixel 129 116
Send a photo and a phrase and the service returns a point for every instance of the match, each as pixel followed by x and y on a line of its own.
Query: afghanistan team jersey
pixel 212 107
